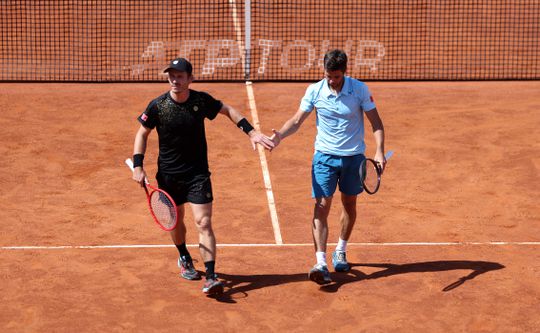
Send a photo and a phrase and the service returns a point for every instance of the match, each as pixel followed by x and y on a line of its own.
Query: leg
pixel 324 178
pixel 319 273
pixel 347 220
pixel 202 214
pixel 348 215
pixel 350 185
pixel 172 185
pixel 178 235
pixel 319 226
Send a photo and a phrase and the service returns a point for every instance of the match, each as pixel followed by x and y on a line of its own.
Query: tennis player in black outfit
pixel 183 172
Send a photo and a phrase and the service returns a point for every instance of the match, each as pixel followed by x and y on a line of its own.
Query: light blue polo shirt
pixel 340 119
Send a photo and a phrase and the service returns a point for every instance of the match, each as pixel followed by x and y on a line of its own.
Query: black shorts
pixel 195 189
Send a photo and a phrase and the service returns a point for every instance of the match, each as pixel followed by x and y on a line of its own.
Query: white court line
pixel 150 246
pixel 238 30
pixel 264 165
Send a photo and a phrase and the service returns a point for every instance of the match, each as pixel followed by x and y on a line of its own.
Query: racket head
pixel 163 209
pixel 370 174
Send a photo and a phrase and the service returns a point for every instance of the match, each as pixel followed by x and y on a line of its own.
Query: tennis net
pixel 278 40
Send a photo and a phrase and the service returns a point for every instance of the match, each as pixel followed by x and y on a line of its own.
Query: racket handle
pixel 129 163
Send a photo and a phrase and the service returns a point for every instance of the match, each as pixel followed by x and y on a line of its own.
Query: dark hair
pixel 335 60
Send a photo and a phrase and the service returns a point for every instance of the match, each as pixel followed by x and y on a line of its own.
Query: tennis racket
pixel 370 173
pixel 162 206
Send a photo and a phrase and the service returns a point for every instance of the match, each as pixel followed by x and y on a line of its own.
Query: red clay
pixel 465 169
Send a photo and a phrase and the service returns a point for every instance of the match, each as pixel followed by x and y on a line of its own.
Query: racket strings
pixel 164 210
pixel 370 176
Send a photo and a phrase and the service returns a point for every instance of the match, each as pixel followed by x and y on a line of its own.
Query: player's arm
pixel 139 149
pixel 290 126
pixel 239 120
pixel 378 133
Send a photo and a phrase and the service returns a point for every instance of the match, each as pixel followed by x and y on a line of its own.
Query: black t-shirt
pixel 180 127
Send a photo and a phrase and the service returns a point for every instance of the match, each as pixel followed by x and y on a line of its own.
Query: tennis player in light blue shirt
pixel 340 103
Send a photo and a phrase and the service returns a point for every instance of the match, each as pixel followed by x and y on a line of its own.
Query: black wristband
pixel 138 160
pixel 245 126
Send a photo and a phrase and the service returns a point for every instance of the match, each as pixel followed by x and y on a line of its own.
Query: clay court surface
pixel 451 243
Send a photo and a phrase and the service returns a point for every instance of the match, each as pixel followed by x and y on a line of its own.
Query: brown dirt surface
pixel 465 174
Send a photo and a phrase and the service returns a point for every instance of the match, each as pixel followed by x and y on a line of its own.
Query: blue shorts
pixel 327 171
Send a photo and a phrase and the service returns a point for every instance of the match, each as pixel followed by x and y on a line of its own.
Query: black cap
pixel 179 64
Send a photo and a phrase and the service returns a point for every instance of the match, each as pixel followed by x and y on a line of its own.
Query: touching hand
pixel 261 139
pixel 276 137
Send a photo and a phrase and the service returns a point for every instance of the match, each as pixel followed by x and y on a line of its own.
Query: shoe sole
pixel 216 289
pixel 318 277
pixel 191 278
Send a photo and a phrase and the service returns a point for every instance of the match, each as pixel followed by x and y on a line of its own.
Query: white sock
pixel 321 258
pixel 341 245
